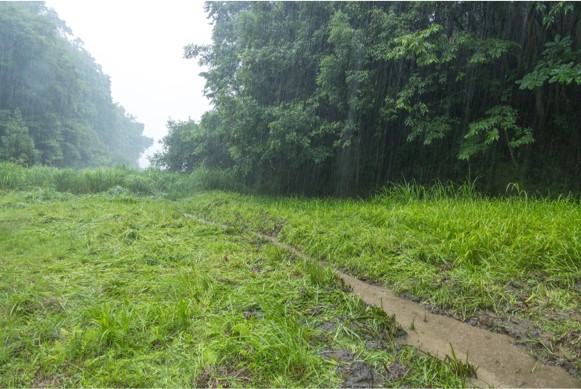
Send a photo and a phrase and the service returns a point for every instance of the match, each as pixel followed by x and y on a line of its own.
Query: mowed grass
pixel 116 290
pixel 512 264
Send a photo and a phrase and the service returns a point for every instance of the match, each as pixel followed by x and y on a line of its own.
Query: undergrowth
pixel 151 182
pixel 512 264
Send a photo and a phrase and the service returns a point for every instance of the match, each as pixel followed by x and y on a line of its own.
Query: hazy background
pixel 140 44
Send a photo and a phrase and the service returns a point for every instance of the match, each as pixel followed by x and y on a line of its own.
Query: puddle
pixel 500 362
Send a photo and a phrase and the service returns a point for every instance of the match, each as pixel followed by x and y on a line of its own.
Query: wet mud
pixel 498 359
pixel 355 374
pixel 532 338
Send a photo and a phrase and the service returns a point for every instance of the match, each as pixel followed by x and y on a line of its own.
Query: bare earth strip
pixel 499 361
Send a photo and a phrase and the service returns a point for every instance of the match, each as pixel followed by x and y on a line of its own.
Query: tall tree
pixel 16 145
pixel 343 97
pixel 58 92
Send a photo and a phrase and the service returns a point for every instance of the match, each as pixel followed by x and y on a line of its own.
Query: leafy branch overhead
pixel 558 64
pixel 500 123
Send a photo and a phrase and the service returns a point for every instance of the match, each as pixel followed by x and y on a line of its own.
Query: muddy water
pixel 500 363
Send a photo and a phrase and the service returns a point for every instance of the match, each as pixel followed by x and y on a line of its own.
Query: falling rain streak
pixel 326 98
pixel 55 102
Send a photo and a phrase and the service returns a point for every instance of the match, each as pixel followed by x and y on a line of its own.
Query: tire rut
pixel 499 362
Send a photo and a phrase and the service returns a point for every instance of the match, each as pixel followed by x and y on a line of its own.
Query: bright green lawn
pixel 117 290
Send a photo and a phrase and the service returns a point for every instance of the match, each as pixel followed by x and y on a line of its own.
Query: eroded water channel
pixel 499 361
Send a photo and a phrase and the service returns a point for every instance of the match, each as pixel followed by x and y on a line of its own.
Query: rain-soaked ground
pixel 499 362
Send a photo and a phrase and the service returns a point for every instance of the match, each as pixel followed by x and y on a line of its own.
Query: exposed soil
pixel 499 361
pixel 360 375
pixel 355 374
pixel 527 335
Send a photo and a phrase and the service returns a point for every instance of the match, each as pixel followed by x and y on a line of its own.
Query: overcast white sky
pixel 139 44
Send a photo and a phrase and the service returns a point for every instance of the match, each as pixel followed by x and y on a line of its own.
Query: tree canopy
pixel 343 97
pixel 55 102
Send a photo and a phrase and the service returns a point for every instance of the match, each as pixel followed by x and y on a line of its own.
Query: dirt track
pixel 499 362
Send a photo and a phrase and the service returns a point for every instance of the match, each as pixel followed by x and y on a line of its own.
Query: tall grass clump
pixel 170 185
pixel 11 175
pixel 283 343
pixel 216 179
pixel 17 177
pixel 97 180
pixel 318 275
pixel 88 181
pixel 152 181
pixel 409 191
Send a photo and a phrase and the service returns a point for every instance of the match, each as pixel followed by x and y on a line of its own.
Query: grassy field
pixel 105 282
pixel 512 264
pixel 116 290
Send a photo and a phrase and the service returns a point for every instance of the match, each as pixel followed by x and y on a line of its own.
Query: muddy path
pixel 499 361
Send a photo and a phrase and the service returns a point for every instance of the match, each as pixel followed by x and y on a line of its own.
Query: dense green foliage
pixel 55 102
pixel 341 98
pixel 189 145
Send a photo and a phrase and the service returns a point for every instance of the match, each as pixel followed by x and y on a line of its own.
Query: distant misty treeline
pixel 343 97
pixel 55 102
